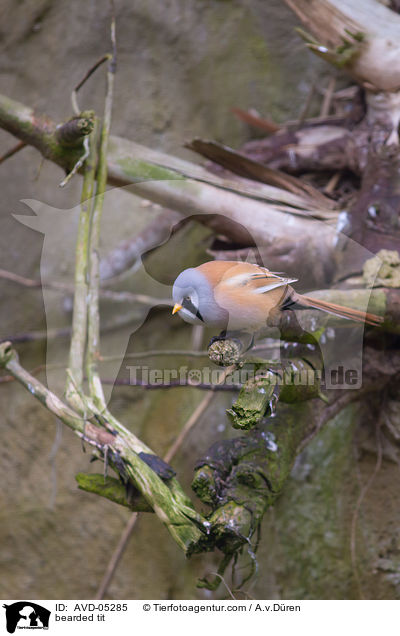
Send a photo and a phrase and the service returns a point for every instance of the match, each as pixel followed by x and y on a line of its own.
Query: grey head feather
pixel 192 284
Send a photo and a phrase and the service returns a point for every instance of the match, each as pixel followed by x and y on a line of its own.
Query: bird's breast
pixel 247 310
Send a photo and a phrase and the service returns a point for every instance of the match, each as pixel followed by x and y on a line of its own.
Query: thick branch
pixel 241 477
pixel 73 131
pixel 36 130
pixel 244 211
pixel 364 34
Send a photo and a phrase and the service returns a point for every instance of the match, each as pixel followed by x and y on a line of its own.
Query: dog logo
pixel 26 615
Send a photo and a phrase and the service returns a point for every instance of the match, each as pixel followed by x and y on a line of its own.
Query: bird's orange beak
pixel 177 307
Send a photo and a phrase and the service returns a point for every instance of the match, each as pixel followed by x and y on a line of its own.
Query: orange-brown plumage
pixel 244 295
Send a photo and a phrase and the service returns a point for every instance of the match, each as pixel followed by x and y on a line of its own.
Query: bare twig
pixel 79 317
pixel 306 107
pixel 249 168
pixel 225 584
pixel 193 419
pixel 74 99
pixel 172 385
pixel 332 183
pixel 93 323
pixel 361 497
pixel 13 151
pixel 10 378
pixel 162 352
pixel 122 297
pixel 78 165
pixel 327 101
pixel 329 413
pixel 116 556
pixel 255 120
pixel 64 332
pixel 29 282
pixel 142 354
pixel 35 336
pixel 128 253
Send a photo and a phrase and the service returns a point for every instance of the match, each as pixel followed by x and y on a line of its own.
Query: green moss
pixel 139 170
pixel 310 533
pixel 383 269
pixel 288 433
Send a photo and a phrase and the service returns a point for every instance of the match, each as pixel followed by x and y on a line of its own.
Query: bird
pixel 238 296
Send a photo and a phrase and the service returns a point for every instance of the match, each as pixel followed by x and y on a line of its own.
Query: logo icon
pixel 26 615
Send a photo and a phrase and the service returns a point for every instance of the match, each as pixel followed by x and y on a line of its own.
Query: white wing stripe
pixel 267 288
pixel 239 279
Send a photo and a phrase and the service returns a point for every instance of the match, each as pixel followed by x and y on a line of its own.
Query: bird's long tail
pixel 339 310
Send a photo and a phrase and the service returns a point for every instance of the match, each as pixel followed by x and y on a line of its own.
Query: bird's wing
pixel 267 281
pixel 260 282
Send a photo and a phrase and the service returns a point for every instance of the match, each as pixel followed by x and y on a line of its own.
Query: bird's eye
pixel 186 298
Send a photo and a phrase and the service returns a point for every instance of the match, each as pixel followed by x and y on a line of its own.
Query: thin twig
pixel 329 412
pixel 332 183
pixel 78 165
pixel 116 556
pixel 4 379
pixel 306 108
pixel 254 119
pixel 95 384
pixel 13 151
pixel 64 332
pixel 35 336
pixel 199 410
pixel 327 101
pixel 172 385
pixel 105 294
pixel 93 333
pixel 159 352
pixel 26 282
pixel 364 490
pixel 79 316
pixel 225 583
pixel 39 170
pixel 74 99
pixel 142 354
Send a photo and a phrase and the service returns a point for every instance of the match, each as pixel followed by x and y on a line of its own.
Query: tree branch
pixel 166 498
pixel 364 35
pixel 246 211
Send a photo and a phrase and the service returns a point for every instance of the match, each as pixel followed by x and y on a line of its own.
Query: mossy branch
pixel 289 382
pixel 112 489
pixel 93 318
pixel 168 501
pixel 72 132
pixel 38 130
pixel 90 418
pixel 79 317
pixel 242 477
